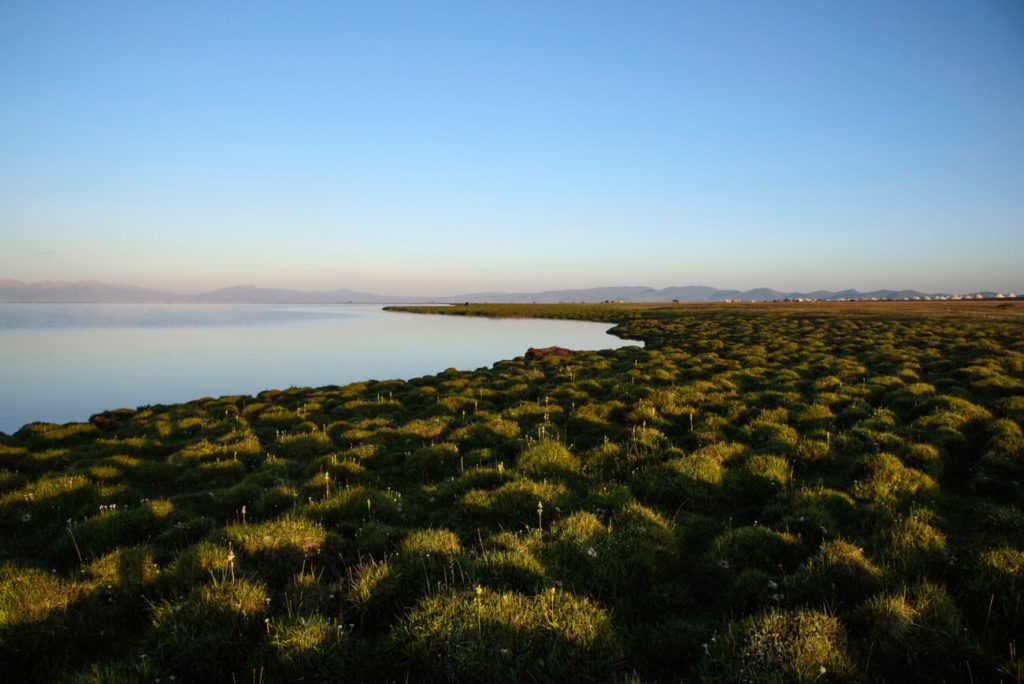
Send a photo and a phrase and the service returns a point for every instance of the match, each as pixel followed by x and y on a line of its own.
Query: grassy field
pixel 764 492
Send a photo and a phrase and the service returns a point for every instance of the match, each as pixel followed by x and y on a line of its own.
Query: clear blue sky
pixel 437 148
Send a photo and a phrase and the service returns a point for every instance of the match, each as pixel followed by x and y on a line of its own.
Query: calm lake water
pixel 65 362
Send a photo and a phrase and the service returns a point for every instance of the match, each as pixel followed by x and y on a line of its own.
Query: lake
pixel 65 362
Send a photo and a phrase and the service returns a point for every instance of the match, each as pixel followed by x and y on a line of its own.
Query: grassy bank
pixel 786 492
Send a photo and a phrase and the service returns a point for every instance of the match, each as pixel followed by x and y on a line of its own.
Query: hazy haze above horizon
pixel 433 148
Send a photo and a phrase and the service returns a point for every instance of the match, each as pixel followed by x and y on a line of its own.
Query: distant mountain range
pixel 57 291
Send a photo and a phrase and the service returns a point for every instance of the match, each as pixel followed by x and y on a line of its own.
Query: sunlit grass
pixel 800 496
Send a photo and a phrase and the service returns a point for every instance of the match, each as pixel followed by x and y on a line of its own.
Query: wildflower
pixel 26 517
pixel 591 552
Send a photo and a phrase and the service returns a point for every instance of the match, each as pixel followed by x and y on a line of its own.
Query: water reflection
pixel 65 362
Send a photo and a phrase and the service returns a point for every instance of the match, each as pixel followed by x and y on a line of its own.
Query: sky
pixel 446 147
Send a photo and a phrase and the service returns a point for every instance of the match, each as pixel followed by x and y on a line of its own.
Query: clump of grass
pixel 208 634
pixel 113 526
pixel 547 458
pixel 427 542
pixel 693 481
pixel 916 547
pixel 127 568
pixel 506 570
pixel 306 593
pixel 609 561
pixel 914 634
pixel 925 458
pixel 886 480
pixel 759 479
pixel 513 504
pixel 481 635
pixel 999 575
pixel 353 506
pixel 275 548
pixel 838 575
pixel 755 547
pixel 377 592
pixel 781 646
pixel 433 462
pixel 28 595
pixel 301 645
pixel 295 533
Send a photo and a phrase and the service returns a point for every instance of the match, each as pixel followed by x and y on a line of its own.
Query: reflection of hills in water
pixel 63 362
pixel 15 291
pixel 95 315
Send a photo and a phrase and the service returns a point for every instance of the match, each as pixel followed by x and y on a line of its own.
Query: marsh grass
pixel 759 494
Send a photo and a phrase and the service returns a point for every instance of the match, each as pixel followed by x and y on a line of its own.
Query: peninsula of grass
pixel 763 493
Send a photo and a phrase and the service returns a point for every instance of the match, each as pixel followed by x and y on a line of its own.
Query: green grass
pixel 760 493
